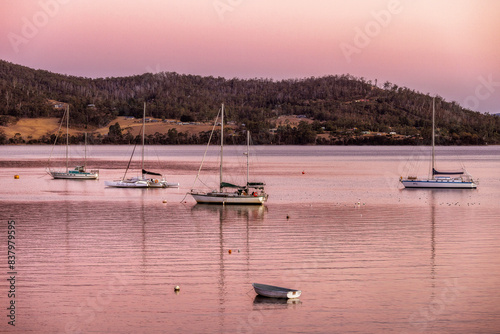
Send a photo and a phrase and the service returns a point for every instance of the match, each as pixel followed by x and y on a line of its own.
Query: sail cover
pixel 230 185
pixel 435 172
pixel 150 173
pixel 257 185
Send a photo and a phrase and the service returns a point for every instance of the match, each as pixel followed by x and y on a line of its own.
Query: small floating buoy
pixel 16 176
pixel 238 250
pixel 177 288
pixel 303 172
pixel 164 201
pixel 287 217
pixel 230 251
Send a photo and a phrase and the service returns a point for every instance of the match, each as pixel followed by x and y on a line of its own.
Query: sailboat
pixel 155 180
pixel 250 193
pixel 79 172
pixel 439 179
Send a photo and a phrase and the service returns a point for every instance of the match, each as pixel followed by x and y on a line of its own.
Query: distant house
pixel 56 104
pixel 392 133
pixel 91 105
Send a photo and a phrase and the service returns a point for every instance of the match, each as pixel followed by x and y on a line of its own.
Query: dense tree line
pixel 336 103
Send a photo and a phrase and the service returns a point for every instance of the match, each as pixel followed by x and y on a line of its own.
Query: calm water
pixel 368 256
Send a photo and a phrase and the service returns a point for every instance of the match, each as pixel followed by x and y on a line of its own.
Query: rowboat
pixel 275 291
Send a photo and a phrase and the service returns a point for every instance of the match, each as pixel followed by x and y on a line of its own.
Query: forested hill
pixel 341 106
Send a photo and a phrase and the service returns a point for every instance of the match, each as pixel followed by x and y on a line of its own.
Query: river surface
pixel 368 255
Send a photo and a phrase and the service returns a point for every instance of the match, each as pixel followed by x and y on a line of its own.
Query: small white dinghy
pixel 275 291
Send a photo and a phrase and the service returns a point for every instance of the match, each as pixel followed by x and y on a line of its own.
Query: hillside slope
pixel 342 107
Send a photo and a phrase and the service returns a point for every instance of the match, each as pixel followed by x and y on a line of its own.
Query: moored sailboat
pixel 79 172
pixel 439 179
pixel 250 193
pixel 147 179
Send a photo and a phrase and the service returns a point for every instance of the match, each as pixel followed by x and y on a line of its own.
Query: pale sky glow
pixel 446 47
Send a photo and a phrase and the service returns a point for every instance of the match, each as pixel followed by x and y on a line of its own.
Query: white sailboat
pixel 147 179
pixel 439 179
pixel 250 193
pixel 79 172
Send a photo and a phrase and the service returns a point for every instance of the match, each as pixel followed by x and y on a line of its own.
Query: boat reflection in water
pixel 250 212
pixel 285 303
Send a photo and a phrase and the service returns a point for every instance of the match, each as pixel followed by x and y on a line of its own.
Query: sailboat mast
pixel 433 135
pixel 143 130
pixel 85 159
pixel 67 137
pixel 248 153
pixel 221 145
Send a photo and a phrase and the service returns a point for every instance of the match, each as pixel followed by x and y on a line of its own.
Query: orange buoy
pixel 303 172
pixel 229 251
pixel 16 176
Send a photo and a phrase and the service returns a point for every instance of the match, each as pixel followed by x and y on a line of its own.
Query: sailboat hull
pixel 443 184
pixel 126 184
pixel 164 184
pixel 75 175
pixel 140 183
pixel 229 198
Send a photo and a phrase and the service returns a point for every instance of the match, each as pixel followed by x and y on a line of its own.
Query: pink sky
pixel 449 48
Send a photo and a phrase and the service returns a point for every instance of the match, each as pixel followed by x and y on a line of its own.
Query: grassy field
pixel 34 128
